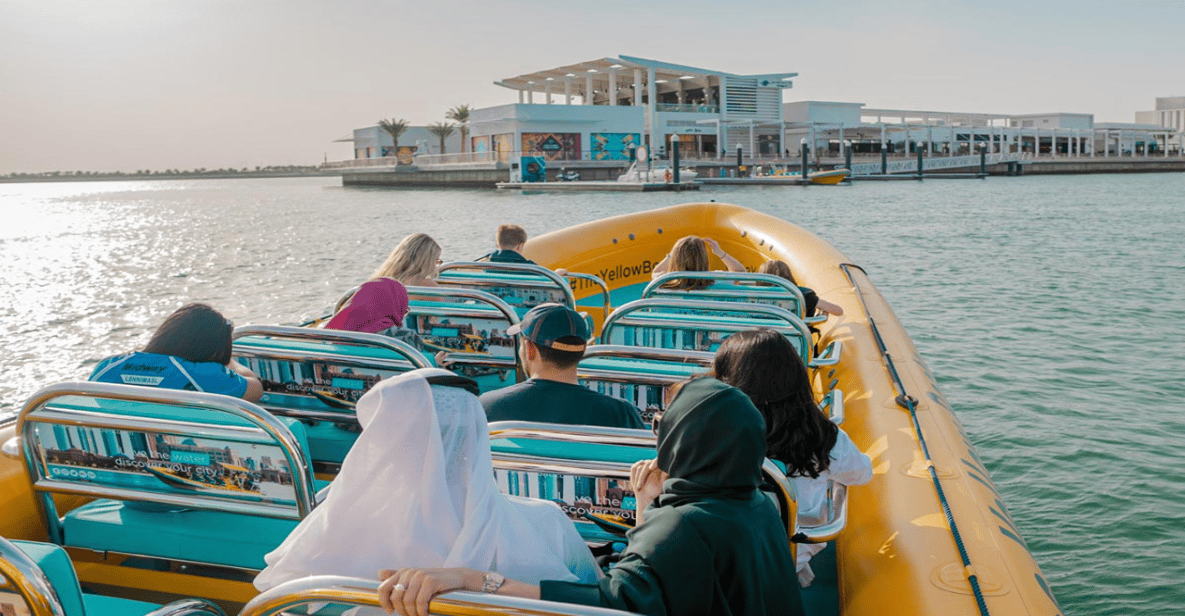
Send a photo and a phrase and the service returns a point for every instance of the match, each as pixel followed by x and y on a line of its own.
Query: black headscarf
pixel 711 441
pixel 711 544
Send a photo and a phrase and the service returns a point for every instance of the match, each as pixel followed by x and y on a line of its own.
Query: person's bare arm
pixel 828 307
pixel 730 262
pixel 409 591
pixel 663 267
pixel 646 480
pixel 254 387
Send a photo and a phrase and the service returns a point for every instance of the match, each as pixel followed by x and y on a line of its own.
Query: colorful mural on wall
pixel 612 146
pixel 553 146
pixel 504 146
pixel 481 144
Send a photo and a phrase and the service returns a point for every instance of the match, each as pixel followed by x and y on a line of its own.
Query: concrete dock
pixel 610 186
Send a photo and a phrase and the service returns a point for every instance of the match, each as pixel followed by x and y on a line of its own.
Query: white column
pixel 547 89
pixel 841 140
pixel 531 96
pixel 882 133
pixel 651 88
pixel 588 89
pixel 612 86
pixel 1166 144
pixel 929 140
pixel 568 90
pixel 1053 144
pixel 637 86
pixel 1093 144
pixel 520 97
pixel 752 149
pixel 1149 136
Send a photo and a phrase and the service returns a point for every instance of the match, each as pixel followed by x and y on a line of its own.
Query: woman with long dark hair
pixel 190 350
pixel 765 365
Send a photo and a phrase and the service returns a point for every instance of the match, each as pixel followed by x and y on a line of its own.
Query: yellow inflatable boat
pixel 929 535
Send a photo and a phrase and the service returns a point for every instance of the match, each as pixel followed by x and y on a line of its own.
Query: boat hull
pixel 898 554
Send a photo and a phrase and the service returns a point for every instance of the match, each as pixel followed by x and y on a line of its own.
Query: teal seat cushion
pixel 56 565
pixel 99 605
pixel 570 451
pixel 218 538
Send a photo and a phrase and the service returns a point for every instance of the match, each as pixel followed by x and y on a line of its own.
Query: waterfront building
pixel 374 142
pixel 1169 113
pixel 827 127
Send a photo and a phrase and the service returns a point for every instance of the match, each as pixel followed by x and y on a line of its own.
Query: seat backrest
pixel 521 285
pixel 586 469
pixel 303 369
pixel 698 325
pixel 181 448
pixel 746 287
pixel 471 327
pixel 341 592
pixel 38 579
pixel 638 375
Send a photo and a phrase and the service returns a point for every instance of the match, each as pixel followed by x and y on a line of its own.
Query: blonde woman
pixel 414 262
pixel 690 254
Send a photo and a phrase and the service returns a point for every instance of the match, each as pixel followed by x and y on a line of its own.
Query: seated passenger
pixel 377 307
pixel 553 342
pixel 690 254
pixel 764 364
pixel 779 268
pixel 510 240
pixel 414 262
pixel 417 490
pixel 191 350
pixel 710 543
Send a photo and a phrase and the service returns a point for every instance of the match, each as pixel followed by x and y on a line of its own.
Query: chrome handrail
pixel 461 293
pixel 624 351
pixel 766 279
pixel 364 593
pixel 184 607
pixel 606 299
pixel 29 581
pixel 514 268
pixel 837 516
pixel 262 423
pixel 765 315
pixel 567 433
pixel 408 352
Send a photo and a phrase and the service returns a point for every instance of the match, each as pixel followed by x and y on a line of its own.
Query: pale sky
pixel 134 84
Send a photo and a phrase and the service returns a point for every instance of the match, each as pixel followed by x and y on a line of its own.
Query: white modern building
pixel 827 126
pixel 600 109
pixel 374 142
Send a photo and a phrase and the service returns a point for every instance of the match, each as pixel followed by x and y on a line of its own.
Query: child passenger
pixel 191 350
pixel 765 365
pixel 690 254
pixel 510 240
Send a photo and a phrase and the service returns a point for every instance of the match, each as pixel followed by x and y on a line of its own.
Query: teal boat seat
pixel 640 376
pixel 176 475
pixel 54 565
pixel 317 375
pixel 743 287
pixel 521 285
pixel 211 537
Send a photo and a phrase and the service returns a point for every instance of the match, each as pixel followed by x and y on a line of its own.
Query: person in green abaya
pixel 710 543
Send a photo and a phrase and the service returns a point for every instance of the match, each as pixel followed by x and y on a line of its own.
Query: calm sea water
pixel 1051 310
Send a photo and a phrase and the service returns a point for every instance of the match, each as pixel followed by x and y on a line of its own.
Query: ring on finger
pixel 400 588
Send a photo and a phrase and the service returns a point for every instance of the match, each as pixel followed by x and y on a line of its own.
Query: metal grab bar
pixel 364 593
pixel 513 268
pixel 29 581
pixel 770 280
pixel 479 297
pixel 606 300
pixel 310 334
pixel 262 424
pixel 567 433
pixel 34 587
pixel 622 351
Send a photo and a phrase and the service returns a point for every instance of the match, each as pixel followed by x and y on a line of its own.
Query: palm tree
pixel 460 114
pixel 442 130
pixel 395 128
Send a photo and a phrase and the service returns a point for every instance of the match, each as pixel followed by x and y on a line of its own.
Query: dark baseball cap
pixel 546 324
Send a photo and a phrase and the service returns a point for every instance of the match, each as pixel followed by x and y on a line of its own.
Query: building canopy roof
pixel 667 76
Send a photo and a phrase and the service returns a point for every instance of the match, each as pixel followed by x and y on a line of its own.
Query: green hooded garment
pixel 711 543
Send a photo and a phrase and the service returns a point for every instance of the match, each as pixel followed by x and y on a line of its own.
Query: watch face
pixel 493 581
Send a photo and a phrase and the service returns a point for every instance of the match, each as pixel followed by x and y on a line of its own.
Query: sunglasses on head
pixel 654 419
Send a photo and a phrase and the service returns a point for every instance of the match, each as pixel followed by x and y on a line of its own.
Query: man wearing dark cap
pixel 553 341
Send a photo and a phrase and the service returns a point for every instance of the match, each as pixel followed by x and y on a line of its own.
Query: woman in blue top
pixel 191 351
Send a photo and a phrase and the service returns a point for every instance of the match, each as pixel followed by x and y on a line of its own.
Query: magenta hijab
pixel 377 305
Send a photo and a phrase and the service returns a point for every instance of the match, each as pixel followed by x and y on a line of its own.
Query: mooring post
pixel 982 160
pixel 740 162
pixel 917 146
pixel 884 158
pixel 675 158
pixel 847 154
pixel 805 151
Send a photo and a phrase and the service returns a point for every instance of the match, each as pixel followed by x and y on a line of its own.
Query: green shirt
pixel 555 402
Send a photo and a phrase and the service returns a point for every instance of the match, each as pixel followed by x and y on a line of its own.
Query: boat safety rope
pixel 910 403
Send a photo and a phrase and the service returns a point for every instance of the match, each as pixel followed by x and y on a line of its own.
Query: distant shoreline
pixel 169 176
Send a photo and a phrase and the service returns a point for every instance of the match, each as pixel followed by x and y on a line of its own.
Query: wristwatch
pixel 492 582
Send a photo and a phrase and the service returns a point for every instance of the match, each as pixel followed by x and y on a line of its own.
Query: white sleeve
pixel 849 466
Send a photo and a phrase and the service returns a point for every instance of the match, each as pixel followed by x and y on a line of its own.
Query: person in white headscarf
pixel 418 490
